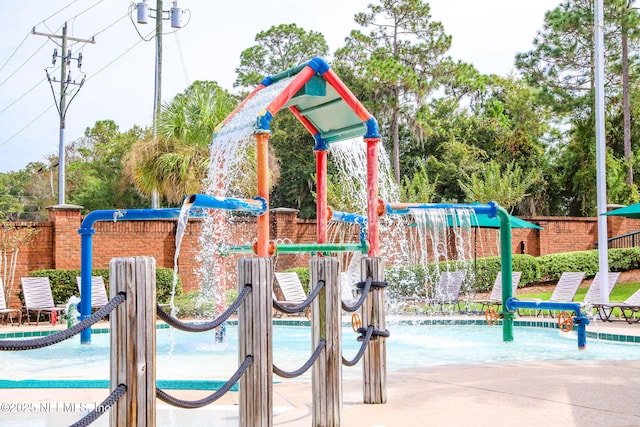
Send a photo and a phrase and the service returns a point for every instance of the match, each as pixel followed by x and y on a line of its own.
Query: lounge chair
pixel 5 312
pixel 447 291
pixel 593 294
pixel 496 292
pixel 565 289
pixel 628 308
pixel 98 291
pixel 291 287
pixel 38 298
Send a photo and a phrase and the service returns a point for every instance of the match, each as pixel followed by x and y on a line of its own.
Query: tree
pixel 279 48
pixel 96 170
pixel 176 163
pixel 561 64
pixel 401 59
pixel 506 186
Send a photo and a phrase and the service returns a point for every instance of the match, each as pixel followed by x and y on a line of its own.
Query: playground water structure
pixel 303 91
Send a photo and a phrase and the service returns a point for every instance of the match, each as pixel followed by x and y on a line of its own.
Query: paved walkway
pixel 568 393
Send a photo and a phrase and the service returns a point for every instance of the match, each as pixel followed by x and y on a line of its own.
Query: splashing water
pixel 230 169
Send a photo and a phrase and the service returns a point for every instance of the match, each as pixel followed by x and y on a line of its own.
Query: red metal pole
pixel 288 92
pixel 347 95
pixel 321 195
pixel 372 195
pixel 262 157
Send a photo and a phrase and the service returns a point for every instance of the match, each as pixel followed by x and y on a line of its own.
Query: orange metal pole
pixel 372 195
pixel 262 157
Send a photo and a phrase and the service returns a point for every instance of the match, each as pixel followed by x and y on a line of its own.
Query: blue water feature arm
pixel 87 231
pixel 257 206
pixel 580 319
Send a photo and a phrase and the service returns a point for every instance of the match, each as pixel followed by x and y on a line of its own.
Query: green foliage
pixel 553 265
pixel 64 285
pixel 506 186
pixel 278 49
pixel 192 304
pixel 419 188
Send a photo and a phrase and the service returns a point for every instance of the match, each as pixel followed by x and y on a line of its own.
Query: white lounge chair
pixel 98 291
pixel 496 292
pixel 447 290
pixel 628 308
pixel 38 298
pixel 291 287
pixel 566 288
pixel 5 312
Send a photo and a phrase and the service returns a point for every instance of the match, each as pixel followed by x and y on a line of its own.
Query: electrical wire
pixel 26 126
pixel 23 64
pixel 86 10
pixel 51 16
pixel 115 59
pixel 14 52
pixel 22 96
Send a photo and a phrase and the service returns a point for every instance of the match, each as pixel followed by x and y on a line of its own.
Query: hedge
pixel 64 285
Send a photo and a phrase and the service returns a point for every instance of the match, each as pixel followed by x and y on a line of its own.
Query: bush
pixel 553 265
pixel 193 304
pixel 63 283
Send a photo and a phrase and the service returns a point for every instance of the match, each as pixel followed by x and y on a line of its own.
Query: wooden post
pixel 133 341
pixel 374 360
pixel 326 374
pixel 255 339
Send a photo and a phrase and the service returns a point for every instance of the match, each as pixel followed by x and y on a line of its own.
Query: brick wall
pixel 57 243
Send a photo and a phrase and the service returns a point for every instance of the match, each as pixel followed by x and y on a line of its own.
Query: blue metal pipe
pixel 86 232
pixel 490 209
pixel 256 206
pixel 350 218
pixel 580 320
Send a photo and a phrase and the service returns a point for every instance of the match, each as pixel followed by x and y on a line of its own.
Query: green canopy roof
pixel 483 221
pixel 631 211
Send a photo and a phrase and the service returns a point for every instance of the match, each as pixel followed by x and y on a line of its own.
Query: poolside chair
pixel 496 292
pixel 292 290
pixel 593 294
pixel 565 289
pixel 38 298
pixel 628 308
pixel 447 291
pixel 5 312
pixel 98 291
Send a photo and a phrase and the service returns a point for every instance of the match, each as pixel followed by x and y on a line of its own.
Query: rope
pixel 365 343
pixel 32 344
pixel 192 404
pixel 302 306
pixel 115 395
pixel 284 374
pixel 202 327
pixel 363 296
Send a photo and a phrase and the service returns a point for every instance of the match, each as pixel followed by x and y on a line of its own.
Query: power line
pixel 23 64
pixel 26 126
pixel 51 16
pixel 14 52
pixel 22 96
pixel 116 58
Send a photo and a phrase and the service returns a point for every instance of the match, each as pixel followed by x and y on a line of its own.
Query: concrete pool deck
pixel 568 393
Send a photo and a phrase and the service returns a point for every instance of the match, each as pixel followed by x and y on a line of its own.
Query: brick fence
pixel 57 243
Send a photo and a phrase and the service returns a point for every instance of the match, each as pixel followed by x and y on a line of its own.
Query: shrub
pixel 63 283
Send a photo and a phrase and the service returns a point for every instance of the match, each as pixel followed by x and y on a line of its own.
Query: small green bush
pixel 63 283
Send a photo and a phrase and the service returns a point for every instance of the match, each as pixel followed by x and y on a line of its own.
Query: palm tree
pixel 176 163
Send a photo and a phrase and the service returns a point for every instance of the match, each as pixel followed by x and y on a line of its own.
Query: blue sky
pixel 120 68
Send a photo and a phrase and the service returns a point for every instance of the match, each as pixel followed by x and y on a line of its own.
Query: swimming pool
pixel 191 356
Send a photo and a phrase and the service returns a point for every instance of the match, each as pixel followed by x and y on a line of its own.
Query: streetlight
pixel 143 12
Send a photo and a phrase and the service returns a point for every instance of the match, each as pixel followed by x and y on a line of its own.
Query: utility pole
pixel 62 104
pixel 175 16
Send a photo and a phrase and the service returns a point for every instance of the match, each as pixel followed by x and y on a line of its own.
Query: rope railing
pixel 303 305
pixel 192 404
pixel 35 343
pixel 363 347
pixel 363 296
pixel 115 395
pixel 304 368
pixel 202 327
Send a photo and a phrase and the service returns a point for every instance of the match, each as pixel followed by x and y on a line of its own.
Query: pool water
pixel 196 356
